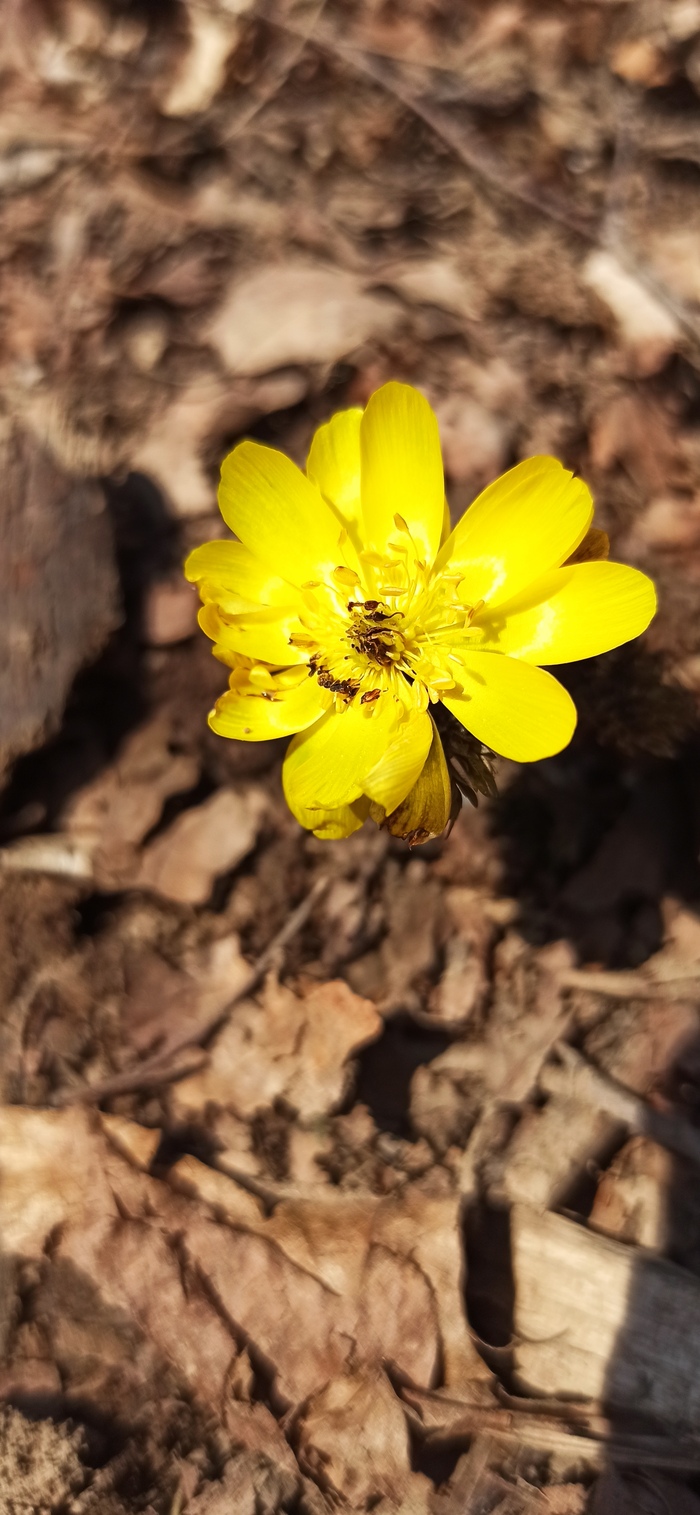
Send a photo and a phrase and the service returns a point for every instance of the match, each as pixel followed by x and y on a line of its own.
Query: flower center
pixel 402 638
pixel 375 631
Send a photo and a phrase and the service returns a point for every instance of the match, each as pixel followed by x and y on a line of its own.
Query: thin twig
pixel 465 143
pixel 167 1065
pixel 463 140
pixel 303 35
pixel 576 1077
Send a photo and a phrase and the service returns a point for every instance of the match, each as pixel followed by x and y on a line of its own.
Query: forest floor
pixel 336 1175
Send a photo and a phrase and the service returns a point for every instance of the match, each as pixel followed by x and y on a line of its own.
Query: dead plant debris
pixel 333 1178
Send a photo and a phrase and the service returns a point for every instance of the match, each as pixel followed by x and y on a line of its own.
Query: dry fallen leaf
pixel 528 1015
pixel 111 815
pixel 353 1439
pixel 163 1004
pixel 646 327
pixel 195 1268
pixel 297 312
pixel 290 1046
pixel 202 843
pixel 464 981
pixel 551 1150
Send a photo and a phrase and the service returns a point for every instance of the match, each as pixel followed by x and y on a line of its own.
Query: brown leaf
pixel 204 842
pixel 331 1264
pixel 528 1015
pixel 296 312
pixel 398 1320
pixel 288 1046
pixel 137 1269
pixel 551 1150
pixel 301 1329
pixel 113 814
pixel 464 981
pixel 353 1439
pixel 51 1170
pixel 163 1004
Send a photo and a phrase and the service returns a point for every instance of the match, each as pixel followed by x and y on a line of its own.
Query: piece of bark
pixel 58 589
pixel 632 1494
pixel 598 1320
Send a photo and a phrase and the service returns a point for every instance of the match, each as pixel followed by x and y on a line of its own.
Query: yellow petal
pixel 329 825
pixel 519 711
pixel 279 514
pixel 573 613
pixel 527 522
pixel 255 718
pixel 333 463
pixel 227 571
pixel 446 524
pixel 401 470
pixel 259 634
pixel 399 767
pixel 426 808
pixel 326 766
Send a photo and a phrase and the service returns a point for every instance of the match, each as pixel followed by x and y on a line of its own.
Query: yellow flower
pixel 347 609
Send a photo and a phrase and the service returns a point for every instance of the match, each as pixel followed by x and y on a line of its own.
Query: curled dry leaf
pixel 464 981
pixel 288 1045
pixel 294 313
pixel 641 1041
pixel 111 816
pixel 204 842
pixel 331 1264
pixel 528 1015
pixel 181 1278
pixel 646 327
pixel 164 1004
pixel 631 1200
pixel 247 1485
pixel 174 450
pixel 50 1169
pixel 353 1439
pixel 550 1151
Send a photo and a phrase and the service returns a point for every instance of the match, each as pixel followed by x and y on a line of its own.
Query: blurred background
pixel 228 218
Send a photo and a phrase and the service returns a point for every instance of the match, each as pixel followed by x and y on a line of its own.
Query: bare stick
pixel 168 1064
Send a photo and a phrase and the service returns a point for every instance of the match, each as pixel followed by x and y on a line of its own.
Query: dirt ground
pixel 336 1175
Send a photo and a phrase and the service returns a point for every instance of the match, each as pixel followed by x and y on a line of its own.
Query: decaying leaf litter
pixel 333 1175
